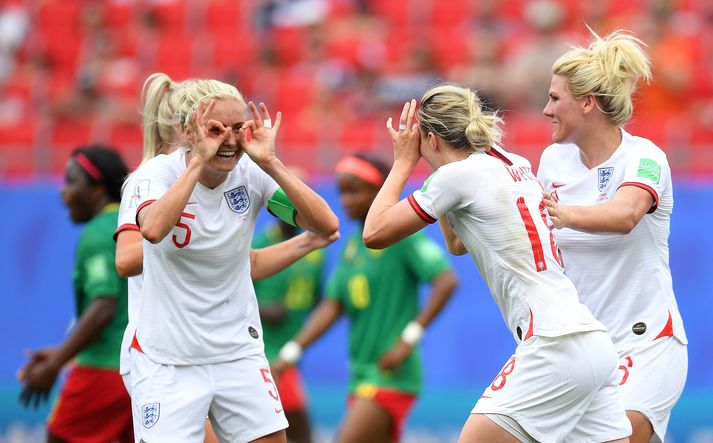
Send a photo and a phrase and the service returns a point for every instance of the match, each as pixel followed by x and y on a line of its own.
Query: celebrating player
pixel 197 349
pixel 490 205
pixel 610 194
pixel 378 291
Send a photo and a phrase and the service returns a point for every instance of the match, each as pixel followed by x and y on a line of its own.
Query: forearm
pixel 453 243
pixel 266 262
pixel 322 318
pixel 441 291
pixel 611 217
pixel 313 212
pixel 157 219
pixel 90 324
pixel 390 193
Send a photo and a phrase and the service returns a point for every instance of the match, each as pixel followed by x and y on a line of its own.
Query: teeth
pixel 226 153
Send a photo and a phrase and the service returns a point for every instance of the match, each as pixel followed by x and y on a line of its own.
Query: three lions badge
pixel 238 199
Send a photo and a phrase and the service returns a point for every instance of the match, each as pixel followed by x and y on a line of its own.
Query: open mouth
pixel 227 154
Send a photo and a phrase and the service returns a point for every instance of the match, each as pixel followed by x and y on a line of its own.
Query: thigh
pixel 480 429
pixel 651 381
pixel 366 421
pixel 92 406
pixel 542 390
pixel 247 404
pixel 605 418
pixel 170 403
pixel 300 430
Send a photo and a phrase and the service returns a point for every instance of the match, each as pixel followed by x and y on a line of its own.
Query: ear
pixel 432 141
pixel 589 103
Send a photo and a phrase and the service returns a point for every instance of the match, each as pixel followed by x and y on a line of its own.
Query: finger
pixel 411 114
pixel 264 112
pixel 277 123
pixel 404 115
pixel 257 118
pixel 390 128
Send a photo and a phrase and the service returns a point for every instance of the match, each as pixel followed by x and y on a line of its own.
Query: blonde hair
pixel 455 114
pixel 609 69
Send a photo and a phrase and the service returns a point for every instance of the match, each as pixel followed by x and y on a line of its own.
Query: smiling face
pixel 232 114
pixel 355 195
pixel 564 110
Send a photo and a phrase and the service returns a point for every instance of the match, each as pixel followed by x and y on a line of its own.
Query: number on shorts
pixel 501 378
pixel 180 224
pixel 266 376
pixel 625 368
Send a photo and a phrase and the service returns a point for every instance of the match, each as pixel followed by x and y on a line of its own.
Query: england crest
pixel 238 199
pixel 604 175
pixel 150 413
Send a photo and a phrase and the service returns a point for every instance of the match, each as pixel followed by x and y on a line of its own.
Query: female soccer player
pixel 490 205
pixel 197 349
pixel 615 201
pixel 93 404
pixel 162 136
pixel 378 291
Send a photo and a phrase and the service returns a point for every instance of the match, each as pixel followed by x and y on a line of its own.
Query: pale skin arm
pixel 619 215
pixel 454 245
pixel 264 262
pixel 441 291
pixel 313 213
pixel 390 220
pixel 157 219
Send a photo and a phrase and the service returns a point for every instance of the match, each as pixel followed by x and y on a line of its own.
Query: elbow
pixel 628 223
pixel 123 268
pixel 152 234
pixel 373 240
pixel 457 250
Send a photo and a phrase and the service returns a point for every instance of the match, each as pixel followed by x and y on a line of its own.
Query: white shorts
pixel 561 389
pixel 170 403
pixel 651 381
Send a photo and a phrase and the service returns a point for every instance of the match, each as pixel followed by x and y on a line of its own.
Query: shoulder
pixel 99 230
pixel 558 152
pixel 642 147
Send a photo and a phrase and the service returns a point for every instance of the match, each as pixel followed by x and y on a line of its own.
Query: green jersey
pixel 297 288
pixel 95 275
pixel 379 292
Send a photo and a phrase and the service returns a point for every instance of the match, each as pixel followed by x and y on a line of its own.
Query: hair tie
pixel 362 169
pixel 86 164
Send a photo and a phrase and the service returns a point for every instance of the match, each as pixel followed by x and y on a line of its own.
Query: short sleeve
pixel 424 257
pixel 151 181
pixel 127 209
pixel 100 277
pixel 647 168
pixel 440 193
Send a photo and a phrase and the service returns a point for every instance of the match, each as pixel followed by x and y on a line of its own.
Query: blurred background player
pixel 285 301
pixel 197 349
pixel 379 292
pixel 93 404
pixel 490 205
pixel 613 218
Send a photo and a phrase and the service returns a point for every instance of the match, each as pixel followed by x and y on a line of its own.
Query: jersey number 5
pixel 534 235
pixel 180 224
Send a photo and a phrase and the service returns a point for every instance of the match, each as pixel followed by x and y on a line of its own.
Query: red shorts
pixel 93 406
pixel 291 391
pixel 396 403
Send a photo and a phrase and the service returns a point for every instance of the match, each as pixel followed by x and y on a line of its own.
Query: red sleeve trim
pixel 419 211
pixel 125 227
pixel 667 330
pixel 648 188
pixel 142 206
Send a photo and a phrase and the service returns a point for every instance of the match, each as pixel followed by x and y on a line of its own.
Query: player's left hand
pixel 318 241
pixel 38 376
pixel 395 356
pixel 261 147
pixel 557 213
pixel 407 140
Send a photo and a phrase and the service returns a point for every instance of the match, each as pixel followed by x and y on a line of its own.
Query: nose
pixel 546 110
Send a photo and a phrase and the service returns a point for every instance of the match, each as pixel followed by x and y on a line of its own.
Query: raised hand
pixel 407 140
pixel 261 147
pixel 206 134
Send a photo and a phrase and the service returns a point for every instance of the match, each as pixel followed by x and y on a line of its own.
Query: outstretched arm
pixel 268 261
pixel 313 212
pixel 619 215
pixel 390 220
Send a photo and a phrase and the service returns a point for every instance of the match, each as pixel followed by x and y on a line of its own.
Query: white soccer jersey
pixel 127 221
pixel 494 204
pixel 624 279
pixel 197 303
